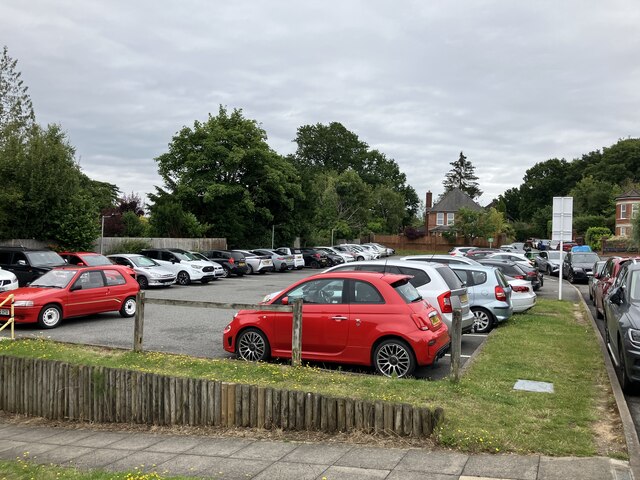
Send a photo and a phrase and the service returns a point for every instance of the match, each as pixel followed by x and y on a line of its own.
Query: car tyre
pixel 226 272
pixel 627 385
pixel 314 264
pixel 570 277
pixel 299 267
pixel 205 281
pixel 360 259
pixel 394 358
pixel 129 307
pixel 599 315
pixel 482 320
pixel 50 316
pixel 143 282
pixel 249 269
pixel 549 271
pixel 253 345
pixel 183 278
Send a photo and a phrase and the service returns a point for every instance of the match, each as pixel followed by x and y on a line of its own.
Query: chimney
pixel 429 199
pixel 426 212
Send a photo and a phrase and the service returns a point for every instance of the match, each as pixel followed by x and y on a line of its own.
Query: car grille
pixel 5 282
pixel 208 269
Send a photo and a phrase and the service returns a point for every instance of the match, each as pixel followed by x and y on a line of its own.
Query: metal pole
pixel 296 334
pixel 273 236
pixel 560 270
pixel 102 235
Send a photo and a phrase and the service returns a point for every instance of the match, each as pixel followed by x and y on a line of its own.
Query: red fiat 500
pixel 362 318
pixel 73 291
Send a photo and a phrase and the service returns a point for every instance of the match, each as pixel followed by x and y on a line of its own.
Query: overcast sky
pixel 510 83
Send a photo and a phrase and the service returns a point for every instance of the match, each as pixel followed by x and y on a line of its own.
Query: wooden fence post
pixel 139 322
pixel 296 334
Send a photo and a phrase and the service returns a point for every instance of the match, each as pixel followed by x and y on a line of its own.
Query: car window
pixel 364 292
pixel 584 258
pixel 114 277
pixel 96 260
pixel 319 291
pixel 90 280
pixel 17 257
pixel 420 277
pixel 407 291
pixel 502 280
pixel 634 285
pixel 122 261
pixel 449 277
pixel 346 268
pixel 167 256
pixel 471 277
pixel 150 253
pixel 55 278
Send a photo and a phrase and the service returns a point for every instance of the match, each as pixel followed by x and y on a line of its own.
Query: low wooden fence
pixel 63 391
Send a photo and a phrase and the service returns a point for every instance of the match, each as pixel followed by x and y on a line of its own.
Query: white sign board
pixel 562 224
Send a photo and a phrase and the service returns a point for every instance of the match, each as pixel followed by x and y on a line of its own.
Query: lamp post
pixel 102 231
pixel 332 230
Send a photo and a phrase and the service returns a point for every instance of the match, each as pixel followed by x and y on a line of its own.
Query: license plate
pixel 5 311
pixel 242 264
pixel 267 262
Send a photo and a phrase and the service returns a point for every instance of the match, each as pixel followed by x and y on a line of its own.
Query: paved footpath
pixel 240 458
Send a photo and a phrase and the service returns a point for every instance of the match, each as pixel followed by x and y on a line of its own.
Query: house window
pixel 440 218
pixel 623 231
pixel 634 210
pixel 450 217
pixel 623 210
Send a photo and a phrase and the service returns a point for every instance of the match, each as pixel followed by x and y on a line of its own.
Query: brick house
pixel 442 215
pixel 627 207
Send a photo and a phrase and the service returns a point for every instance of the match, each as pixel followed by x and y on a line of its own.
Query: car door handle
pixel 338 318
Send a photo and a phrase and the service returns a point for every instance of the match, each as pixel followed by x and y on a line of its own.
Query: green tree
pixel 16 109
pixel 169 219
pixel 472 224
pixel 132 224
pixel 224 172
pixel 462 176
pixel 594 197
pixel 594 237
pixel 635 230
pixel 387 209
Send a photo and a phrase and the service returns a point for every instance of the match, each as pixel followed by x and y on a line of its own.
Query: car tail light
pixel 519 277
pixel 444 300
pixel 317 255
pixel 433 322
pixel 281 259
pixel 520 288
pixel 532 274
pixel 232 260
pixel 500 294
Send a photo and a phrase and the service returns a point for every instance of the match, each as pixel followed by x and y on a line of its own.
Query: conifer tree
pixel 462 176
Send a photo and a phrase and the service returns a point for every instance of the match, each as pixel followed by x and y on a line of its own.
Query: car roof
pixel 386 277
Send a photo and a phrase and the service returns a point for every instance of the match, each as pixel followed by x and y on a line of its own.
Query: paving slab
pixel 140 462
pixel 292 471
pixel 321 454
pixel 174 444
pixel 596 468
pixel 99 458
pixel 353 473
pixel 450 463
pixel 265 450
pixel 61 454
pixel 65 437
pixel 25 451
pixel 409 475
pixel 138 441
pixel 8 444
pixel 41 433
pixel 371 457
pixel 503 466
pixel 234 468
pixel 220 447
pixel 101 439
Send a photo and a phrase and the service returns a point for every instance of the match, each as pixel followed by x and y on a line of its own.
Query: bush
pixel 582 223
pixel 594 237
pixel 413 233
pixel 133 245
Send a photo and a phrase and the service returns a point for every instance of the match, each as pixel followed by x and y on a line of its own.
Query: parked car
pixel 149 273
pixel 374 251
pixel 593 279
pixel 186 267
pixel 218 271
pixel 444 259
pixel 360 253
pixel 549 262
pixel 478 253
pixel 460 251
pixel 28 263
pixel 622 325
pixel 89 258
pixel 359 318
pixel 578 266
pixel 522 295
pixel 8 280
pixel 434 282
pixel 233 263
pixel 257 263
pixel 347 256
pixel 313 258
pixel 384 251
pixel 73 291
pixel 282 262
pixel 332 257
pixel 512 269
pixel 347 251
pixel 298 258
pixel 605 280
pixel 518 258
pixel 489 294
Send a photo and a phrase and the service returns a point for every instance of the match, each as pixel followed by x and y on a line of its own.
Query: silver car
pixel 149 273
pixel 489 294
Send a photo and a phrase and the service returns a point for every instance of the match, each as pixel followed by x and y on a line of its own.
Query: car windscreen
pixel 452 280
pixel 96 260
pixel 407 291
pixel 55 278
pixel 143 261
pixel 584 258
pixel 44 259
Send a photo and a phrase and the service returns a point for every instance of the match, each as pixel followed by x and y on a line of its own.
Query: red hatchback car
pixel 92 259
pixel 73 291
pixel 361 318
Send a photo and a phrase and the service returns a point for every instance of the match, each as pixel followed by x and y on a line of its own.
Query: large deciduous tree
pixel 224 172
pixel 462 176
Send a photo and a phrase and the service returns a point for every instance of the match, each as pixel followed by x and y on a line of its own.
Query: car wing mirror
pixel 75 287
pixel 285 301
pixel 617 296
pixel 22 263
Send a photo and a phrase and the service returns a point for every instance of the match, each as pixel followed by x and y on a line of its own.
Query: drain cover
pixel 531 386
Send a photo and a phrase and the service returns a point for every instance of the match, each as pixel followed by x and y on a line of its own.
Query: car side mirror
pixel 285 301
pixel 22 263
pixel 617 296
pixel 75 287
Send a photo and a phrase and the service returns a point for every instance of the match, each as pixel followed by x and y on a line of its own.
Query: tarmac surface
pixel 229 457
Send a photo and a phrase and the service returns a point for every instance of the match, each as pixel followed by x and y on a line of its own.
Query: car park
pixel 149 273
pixel 598 267
pixel 8 280
pixel 549 262
pixel 359 318
pixel 233 263
pixel 257 263
pixel 434 282
pixel 27 264
pixel 281 261
pixel 384 251
pixel 514 270
pixel 186 267
pixel 489 294
pixel 578 266
pixel 73 291
pixel 332 258
pixel 622 325
pixel 218 271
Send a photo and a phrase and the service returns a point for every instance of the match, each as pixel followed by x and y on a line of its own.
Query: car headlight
pixel 197 267
pixel 23 303
pixel 634 336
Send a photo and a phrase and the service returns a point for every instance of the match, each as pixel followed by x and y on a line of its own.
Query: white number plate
pixel 5 311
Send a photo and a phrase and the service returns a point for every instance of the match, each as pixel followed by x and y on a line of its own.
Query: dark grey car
pixel 578 266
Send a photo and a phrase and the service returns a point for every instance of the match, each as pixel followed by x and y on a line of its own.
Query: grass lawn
pixel 553 344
